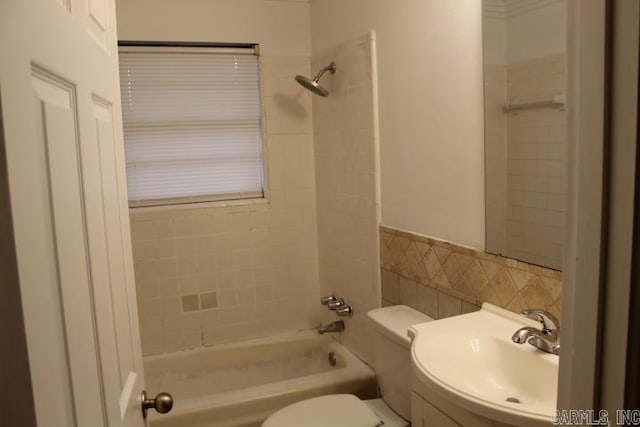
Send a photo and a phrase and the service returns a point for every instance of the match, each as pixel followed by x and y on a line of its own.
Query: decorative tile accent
pixel 190 303
pixel 443 279
pixel 208 300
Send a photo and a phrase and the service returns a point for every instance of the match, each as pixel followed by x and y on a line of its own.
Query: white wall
pixel 431 112
pixel 281 27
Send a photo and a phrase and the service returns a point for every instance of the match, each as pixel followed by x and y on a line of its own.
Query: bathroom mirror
pixel 525 128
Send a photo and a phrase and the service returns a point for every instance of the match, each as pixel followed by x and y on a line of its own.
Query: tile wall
pixel 536 162
pixel 495 121
pixel 442 279
pixel 495 130
pixel 346 154
pixel 208 275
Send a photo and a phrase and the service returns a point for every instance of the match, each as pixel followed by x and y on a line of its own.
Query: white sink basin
pixel 471 361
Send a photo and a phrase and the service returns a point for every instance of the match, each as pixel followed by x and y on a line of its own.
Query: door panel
pixel 121 316
pixel 98 22
pixel 63 138
pixel 56 112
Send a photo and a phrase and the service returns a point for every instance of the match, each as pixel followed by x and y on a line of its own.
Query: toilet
pixel 391 361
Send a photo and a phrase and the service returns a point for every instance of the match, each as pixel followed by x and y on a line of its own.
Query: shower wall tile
pixel 525 161
pixel 450 279
pixel 346 163
pixel 208 275
pixel 495 97
pixel 536 144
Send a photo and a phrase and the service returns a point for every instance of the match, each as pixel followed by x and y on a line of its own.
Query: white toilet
pixel 391 361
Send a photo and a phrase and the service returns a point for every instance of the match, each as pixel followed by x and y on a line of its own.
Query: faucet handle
pixel 344 311
pixel 326 300
pixel 550 323
pixel 336 304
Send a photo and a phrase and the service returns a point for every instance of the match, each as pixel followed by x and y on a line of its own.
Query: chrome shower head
pixel 313 85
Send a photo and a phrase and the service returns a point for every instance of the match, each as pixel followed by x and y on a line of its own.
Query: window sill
pixel 200 205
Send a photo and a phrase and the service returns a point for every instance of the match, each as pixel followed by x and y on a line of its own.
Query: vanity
pixel 494 367
pixel 468 371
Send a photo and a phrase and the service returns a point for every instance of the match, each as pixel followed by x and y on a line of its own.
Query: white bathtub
pixel 239 385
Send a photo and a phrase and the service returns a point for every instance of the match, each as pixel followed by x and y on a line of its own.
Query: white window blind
pixel 192 124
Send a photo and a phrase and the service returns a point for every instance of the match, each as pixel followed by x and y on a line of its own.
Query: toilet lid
pixel 336 410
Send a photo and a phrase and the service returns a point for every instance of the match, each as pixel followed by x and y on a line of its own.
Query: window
pixel 192 123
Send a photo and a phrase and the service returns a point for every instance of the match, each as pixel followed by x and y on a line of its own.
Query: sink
pixel 471 361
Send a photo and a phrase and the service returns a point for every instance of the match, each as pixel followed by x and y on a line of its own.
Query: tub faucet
pixel 338 305
pixel 547 338
pixel 337 326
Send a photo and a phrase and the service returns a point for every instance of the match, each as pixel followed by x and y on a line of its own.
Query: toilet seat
pixel 336 410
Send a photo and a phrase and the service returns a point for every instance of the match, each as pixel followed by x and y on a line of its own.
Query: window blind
pixel 192 124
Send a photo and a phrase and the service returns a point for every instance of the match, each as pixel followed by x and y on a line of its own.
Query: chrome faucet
pixel 326 300
pixel 546 338
pixel 338 305
pixel 337 326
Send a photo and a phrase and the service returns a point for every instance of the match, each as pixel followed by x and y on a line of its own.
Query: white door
pixel 59 89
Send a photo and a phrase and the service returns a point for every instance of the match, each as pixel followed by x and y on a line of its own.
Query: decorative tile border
pixel 468 275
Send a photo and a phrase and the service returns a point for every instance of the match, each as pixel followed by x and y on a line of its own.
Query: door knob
pixel 162 403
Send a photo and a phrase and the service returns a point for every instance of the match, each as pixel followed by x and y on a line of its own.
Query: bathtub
pixel 241 384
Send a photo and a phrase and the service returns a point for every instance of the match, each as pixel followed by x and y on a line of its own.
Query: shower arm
pixel 331 67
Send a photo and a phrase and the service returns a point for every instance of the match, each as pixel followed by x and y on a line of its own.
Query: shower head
pixel 313 85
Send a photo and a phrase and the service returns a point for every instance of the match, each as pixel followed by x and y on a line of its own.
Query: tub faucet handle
pixel 344 311
pixel 326 300
pixel 336 304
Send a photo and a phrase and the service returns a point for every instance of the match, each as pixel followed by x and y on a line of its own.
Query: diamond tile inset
pixel 466 274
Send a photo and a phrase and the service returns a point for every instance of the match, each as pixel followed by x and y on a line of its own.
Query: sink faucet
pixel 337 326
pixel 546 338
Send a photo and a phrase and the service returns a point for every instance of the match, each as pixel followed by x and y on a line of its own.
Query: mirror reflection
pixel 525 128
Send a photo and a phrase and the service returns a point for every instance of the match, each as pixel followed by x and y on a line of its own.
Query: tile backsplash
pixel 442 279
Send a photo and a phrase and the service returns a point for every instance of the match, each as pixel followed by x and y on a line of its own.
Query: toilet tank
pixel 391 354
